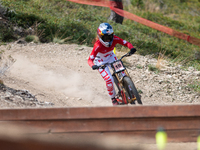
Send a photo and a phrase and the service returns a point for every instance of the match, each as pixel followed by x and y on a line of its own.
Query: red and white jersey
pixel 102 53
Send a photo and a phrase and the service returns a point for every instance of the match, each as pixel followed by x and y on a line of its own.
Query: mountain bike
pixel 126 91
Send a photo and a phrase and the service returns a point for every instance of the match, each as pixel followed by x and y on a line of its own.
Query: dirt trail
pixel 59 74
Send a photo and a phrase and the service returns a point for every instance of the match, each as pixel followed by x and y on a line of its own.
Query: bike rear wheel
pixel 119 93
pixel 130 89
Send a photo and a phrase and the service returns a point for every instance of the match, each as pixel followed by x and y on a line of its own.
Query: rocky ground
pixel 54 75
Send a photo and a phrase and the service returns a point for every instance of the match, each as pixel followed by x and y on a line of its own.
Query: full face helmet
pixel 105 34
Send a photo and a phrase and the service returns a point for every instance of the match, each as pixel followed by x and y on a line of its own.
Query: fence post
pixel 114 16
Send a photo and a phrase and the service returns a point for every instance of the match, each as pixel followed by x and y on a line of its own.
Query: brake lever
pixel 103 66
pixel 129 54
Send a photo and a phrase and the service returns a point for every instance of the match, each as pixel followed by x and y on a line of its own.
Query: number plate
pixel 118 66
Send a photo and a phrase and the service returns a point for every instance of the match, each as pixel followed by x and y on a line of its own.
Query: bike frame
pixel 120 81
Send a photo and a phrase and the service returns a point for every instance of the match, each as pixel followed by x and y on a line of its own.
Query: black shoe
pixel 114 101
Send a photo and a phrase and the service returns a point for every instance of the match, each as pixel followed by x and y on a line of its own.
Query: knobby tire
pixel 118 91
pixel 132 90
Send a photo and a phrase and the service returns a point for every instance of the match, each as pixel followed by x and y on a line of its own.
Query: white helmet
pixel 105 33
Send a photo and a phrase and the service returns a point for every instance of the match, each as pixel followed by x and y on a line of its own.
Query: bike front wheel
pixel 119 93
pixel 131 89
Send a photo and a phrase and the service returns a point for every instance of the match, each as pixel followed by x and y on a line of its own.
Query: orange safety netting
pixel 128 15
pixel 103 3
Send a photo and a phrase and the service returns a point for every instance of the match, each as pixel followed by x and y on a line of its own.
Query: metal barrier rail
pixel 181 122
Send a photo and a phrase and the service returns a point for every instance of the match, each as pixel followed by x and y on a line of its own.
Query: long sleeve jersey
pixel 103 53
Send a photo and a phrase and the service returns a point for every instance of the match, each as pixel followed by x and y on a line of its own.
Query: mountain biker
pixel 103 53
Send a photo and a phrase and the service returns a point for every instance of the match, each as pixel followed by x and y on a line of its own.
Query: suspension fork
pixel 126 72
pixel 122 89
pixel 133 97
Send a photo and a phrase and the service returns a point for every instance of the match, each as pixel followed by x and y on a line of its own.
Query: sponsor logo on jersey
pixel 91 56
pixel 107 55
pixel 96 48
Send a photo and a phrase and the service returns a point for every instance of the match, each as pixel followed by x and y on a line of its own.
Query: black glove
pixel 94 67
pixel 132 51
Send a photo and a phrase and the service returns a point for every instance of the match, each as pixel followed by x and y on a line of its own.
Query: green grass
pixel 59 20
pixel 32 38
pixel 153 68
pixel 195 86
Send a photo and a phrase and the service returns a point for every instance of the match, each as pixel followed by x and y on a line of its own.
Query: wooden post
pixel 114 16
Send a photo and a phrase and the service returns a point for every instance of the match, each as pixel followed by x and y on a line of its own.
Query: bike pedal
pixel 133 102
pixel 133 99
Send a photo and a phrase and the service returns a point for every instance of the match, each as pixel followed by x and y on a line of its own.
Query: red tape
pixel 188 38
pixel 128 15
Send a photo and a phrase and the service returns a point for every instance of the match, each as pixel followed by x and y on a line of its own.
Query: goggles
pixel 107 37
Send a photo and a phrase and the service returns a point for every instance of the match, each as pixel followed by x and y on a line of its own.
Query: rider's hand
pixel 94 67
pixel 132 51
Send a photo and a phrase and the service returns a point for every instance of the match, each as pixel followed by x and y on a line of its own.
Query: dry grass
pixel 160 62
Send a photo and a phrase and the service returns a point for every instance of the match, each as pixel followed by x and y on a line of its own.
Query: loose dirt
pixel 58 75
